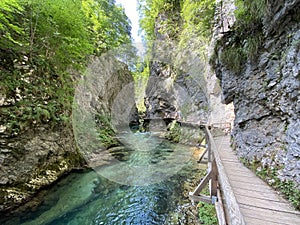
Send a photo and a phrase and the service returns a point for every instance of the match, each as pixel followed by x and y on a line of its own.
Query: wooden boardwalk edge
pixel 239 196
pixel 234 213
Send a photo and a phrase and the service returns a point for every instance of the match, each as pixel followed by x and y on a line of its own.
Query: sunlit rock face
pixel 265 93
pixel 110 87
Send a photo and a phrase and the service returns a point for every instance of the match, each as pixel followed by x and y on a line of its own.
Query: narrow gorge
pixel 91 129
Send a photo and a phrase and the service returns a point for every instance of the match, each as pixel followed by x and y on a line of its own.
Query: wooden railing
pixel 218 184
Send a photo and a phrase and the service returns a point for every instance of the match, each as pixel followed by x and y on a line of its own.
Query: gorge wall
pixel 36 157
pixel 176 87
pixel 259 68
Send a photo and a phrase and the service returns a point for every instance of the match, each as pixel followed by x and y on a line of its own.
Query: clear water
pixel 87 198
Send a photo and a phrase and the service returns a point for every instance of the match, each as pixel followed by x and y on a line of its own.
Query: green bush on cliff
pixel 245 38
pixel 174 132
pixel 150 10
pixel 198 16
pixel 249 14
pixel 105 131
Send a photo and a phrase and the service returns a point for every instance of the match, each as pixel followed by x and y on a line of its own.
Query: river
pixel 89 198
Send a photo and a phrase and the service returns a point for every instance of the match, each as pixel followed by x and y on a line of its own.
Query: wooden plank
pixel 236 167
pixel 220 209
pixel 202 184
pixel 265 204
pixel 271 196
pixel 229 160
pixel 231 169
pixel 200 142
pixel 238 173
pixel 251 180
pixel 270 216
pixel 255 221
pixel 208 143
pixel 243 175
pixel 200 198
pixel 234 161
pixel 200 159
pixel 250 186
pixel 235 215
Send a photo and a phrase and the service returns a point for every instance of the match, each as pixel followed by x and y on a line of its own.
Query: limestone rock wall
pixel 176 87
pixel 265 93
pixel 39 156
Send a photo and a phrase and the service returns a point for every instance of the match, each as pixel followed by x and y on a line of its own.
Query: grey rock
pixel 266 94
pixel 38 157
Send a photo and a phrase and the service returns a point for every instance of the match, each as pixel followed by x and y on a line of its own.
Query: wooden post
pixel 208 146
pixel 214 179
pixel 220 210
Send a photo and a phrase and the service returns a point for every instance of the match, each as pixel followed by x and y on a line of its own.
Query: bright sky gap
pixel 132 13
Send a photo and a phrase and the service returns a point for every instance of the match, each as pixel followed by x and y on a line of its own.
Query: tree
pixel 41 42
pixel 10 30
pixel 108 24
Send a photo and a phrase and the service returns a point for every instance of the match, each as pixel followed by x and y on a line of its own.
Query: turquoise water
pixel 88 198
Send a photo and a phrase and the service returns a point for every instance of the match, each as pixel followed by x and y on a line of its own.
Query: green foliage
pixel 106 132
pixel 249 14
pixel 10 27
pixel 288 188
pixel 270 175
pixel 188 18
pixel 174 133
pixel 42 43
pixel 141 75
pixel 150 10
pixel 246 37
pixel 233 57
pixel 107 23
pixel 207 214
pixel 198 16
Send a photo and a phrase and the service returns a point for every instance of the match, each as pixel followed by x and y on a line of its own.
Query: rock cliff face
pixel 176 87
pixel 111 89
pixel 34 160
pixel 265 92
pixel 37 157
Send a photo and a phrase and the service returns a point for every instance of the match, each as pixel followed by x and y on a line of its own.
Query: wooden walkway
pixel 240 197
pixel 258 203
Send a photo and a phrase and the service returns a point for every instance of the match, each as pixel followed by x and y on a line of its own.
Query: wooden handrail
pixel 235 215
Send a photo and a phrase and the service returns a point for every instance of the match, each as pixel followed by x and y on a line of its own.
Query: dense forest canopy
pixel 44 42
